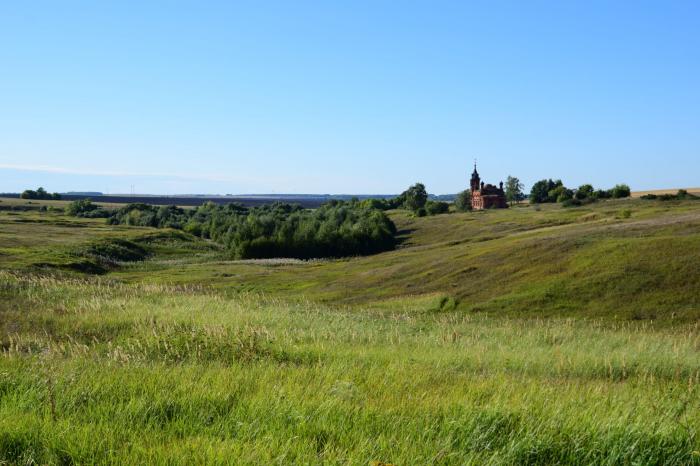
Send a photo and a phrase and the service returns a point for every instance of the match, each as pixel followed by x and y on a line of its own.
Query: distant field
pixel 183 201
pixel 532 335
pixel 659 192
pixel 12 201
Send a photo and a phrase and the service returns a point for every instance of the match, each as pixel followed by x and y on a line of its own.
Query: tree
pixel 463 201
pixel 620 191
pixel 514 189
pixel 585 191
pixel 565 194
pixel 415 197
pixel 554 194
pixel 603 194
pixel 540 191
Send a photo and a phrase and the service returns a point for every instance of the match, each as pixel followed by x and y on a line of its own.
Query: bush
pixel 620 191
pixel 86 209
pixel 680 195
pixel 683 194
pixel 437 207
pixel 572 203
pixel 421 212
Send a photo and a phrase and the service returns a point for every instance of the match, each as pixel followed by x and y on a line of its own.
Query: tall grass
pixel 93 371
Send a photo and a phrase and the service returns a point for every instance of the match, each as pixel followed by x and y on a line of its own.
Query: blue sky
pixel 360 97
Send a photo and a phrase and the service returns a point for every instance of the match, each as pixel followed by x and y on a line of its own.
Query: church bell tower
pixel 476 181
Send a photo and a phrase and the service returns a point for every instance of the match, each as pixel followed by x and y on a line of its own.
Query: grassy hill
pixel 626 259
pixel 525 336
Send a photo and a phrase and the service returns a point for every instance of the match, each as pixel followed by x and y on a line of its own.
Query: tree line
pixel 682 194
pixel 40 193
pixel 414 199
pixel 547 190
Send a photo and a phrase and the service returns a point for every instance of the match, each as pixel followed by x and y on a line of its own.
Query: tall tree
pixel 463 202
pixel 415 197
pixel 514 189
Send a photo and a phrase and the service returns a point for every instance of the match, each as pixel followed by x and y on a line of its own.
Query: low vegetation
pixel 681 195
pixel 86 209
pixel 93 371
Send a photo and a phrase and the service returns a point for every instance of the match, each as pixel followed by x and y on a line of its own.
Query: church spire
pixel 475 181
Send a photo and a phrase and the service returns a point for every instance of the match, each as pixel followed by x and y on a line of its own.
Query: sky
pixel 172 97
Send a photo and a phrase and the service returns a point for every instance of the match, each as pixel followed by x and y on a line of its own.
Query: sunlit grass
pixel 98 371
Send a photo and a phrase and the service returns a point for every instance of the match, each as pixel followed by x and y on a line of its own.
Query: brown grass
pixel 665 191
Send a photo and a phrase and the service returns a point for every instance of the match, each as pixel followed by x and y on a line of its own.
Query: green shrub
pixel 620 191
pixel 86 209
pixel 680 195
pixel 437 207
pixel 572 203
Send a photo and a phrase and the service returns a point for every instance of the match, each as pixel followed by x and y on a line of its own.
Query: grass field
pixel 525 336
pixel 658 192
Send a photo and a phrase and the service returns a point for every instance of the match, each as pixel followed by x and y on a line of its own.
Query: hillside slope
pixel 629 259
pixel 626 259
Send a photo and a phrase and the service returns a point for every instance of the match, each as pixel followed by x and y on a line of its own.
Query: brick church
pixel 486 196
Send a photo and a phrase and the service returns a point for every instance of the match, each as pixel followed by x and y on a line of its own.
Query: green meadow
pixel 533 335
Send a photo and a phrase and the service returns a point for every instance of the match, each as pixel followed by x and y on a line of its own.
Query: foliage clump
pixel 679 196
pixel 40 193
pixel 336 229
pixel 415 199
pixel 86 209
pixel 437 207
pixel 549 191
